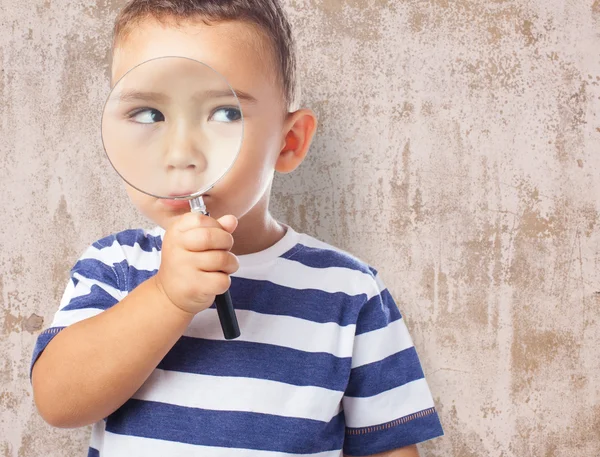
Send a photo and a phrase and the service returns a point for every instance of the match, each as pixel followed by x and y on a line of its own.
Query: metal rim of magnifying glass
pixel 202 191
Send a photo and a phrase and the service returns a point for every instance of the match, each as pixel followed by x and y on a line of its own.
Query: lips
pixel 179 200
pixel 175 204
pixel 184 193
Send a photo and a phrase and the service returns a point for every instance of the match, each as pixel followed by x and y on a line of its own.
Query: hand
pixel 196 262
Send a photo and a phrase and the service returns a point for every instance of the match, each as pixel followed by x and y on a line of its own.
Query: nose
pixel 184 149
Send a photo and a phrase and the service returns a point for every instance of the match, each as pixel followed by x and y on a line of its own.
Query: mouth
pixel 181 194
pixel 175 204
pixel 179 200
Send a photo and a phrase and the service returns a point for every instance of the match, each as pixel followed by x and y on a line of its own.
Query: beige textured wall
pixel 458 152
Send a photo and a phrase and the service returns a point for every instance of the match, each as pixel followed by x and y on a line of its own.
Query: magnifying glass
pixel 172 127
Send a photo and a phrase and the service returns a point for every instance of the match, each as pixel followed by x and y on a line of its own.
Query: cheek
pixel 254 165
pixel 142 201
pixel 263 139
pixel 256 159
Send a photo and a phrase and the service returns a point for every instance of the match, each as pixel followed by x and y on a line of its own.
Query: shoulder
pixel 126 248
pixel 146 240
pixel 342 270
pixel 315 253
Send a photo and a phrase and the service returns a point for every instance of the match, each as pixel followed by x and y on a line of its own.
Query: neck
pixel 257 230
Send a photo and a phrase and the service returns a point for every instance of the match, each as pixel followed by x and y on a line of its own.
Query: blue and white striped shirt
pixel 324 365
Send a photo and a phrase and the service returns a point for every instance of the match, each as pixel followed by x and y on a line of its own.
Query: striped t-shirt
pixel 324 364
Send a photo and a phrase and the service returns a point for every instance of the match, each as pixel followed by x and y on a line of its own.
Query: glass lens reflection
pixel 172 127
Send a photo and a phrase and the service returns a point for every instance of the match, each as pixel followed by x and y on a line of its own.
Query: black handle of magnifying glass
pixel 225 310
pixel 229 323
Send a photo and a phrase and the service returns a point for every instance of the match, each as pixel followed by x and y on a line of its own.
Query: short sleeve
pixel 387 403
pixel 95 284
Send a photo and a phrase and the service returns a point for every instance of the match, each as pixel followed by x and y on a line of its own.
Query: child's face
pixel 243 57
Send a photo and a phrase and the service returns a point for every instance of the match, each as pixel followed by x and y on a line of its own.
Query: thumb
pixel 229 223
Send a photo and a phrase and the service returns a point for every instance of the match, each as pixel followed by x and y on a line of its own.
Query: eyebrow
pixel 157 97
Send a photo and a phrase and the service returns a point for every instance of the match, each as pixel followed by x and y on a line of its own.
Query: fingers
pixel 216 283
pixel 229 223
pixel 196 262
pixel 190 221
pixel 198 232
pixel 215 261
pixel 206 239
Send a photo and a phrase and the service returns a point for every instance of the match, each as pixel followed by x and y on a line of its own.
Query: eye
pixel 147 116
pixel 226 115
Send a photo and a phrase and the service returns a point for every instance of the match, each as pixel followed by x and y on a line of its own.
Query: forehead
pixel 237 50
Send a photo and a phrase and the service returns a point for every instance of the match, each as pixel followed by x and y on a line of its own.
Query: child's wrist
pixel 167 304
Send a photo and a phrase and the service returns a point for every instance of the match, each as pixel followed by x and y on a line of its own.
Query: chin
pixel 163 218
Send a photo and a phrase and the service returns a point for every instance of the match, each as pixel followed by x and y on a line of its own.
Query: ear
pixel 299 130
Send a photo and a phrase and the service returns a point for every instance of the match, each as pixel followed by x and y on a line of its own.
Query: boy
pixel 324 366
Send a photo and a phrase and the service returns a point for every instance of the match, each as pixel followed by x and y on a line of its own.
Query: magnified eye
pixel 147 116
pixel 226 115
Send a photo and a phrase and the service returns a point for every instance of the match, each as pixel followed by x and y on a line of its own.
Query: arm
pixel 409 451
pixel 92 367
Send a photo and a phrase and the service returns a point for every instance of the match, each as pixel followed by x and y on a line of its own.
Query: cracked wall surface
pixel 458 152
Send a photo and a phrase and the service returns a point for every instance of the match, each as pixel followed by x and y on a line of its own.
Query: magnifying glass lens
pixel 172 127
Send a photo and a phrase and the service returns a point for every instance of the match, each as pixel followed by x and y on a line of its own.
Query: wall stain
pixel 537 440
pixel 534 225
pixel 6 370
pixel 105 8
pixel 14 324
pixel 418 208
pixel 8 400
pixel 479 259
pixel 3 96
pixel 490 410
pixel 400 185
pixel 28 445
pixel 579 382
pixel 33 323
pixel 428 283
pixel 495 35
pixel 81 54
pixel 534 349
pixel 404 112
pixel 416 20
pixel 6 449
pixel 503 72
pixel 362 20
pixel 427 109
pixel 61 266
pixel 10 323
pixel 443 290
pixel 526 29
pixel 461 443
pixel 572 115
